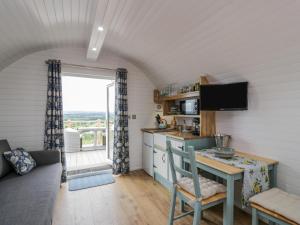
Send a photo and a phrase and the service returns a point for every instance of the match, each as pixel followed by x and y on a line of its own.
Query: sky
pixel 84 94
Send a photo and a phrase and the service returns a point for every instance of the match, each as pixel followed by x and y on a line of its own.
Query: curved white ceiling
pixel 33 25
pixel 169 39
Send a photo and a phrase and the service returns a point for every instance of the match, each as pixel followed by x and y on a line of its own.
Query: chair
pixel 276 206
pixel 198 192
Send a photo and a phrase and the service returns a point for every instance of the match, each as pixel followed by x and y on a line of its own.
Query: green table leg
pixel 254 217
pixel 181 205
pixel 274 176
pixel 229 204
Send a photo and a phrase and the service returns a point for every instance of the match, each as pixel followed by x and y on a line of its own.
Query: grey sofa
pixel 29 199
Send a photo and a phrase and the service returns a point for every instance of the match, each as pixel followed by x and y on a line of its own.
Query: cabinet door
pixel 177 159
pixel 164 168
pixel 147 153
pixel 156 160
pixel 160 163
pixel 148 159
pixel 148 139
pixel 160 141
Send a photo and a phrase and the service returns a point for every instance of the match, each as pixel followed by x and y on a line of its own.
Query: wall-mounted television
pixel 224 97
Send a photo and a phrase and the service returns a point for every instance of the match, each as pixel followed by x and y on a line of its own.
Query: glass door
pixel 110 115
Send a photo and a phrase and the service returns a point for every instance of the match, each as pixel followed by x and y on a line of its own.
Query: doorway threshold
pixel 81 172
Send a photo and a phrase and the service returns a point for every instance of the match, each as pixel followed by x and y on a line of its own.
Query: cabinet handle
pixel 154 151
pixel 163 158
pixel 148 145
pixel 154 166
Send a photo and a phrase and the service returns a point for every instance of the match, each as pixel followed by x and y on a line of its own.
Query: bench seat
pixel 277 205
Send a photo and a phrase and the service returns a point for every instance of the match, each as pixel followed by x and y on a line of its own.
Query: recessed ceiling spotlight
pixel 100 28
pixel 94 49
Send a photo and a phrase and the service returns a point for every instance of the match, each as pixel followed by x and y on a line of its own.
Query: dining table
pixel 230 174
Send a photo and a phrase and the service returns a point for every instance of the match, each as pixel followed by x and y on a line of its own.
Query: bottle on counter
pixel 173 123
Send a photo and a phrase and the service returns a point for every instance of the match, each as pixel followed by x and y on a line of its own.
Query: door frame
pixel 110 161
pixel 86 74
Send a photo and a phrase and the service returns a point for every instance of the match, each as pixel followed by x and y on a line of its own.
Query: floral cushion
pixel 21 160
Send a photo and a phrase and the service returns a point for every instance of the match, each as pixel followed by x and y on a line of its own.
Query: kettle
pixel 162 124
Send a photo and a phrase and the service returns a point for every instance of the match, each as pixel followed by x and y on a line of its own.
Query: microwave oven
pixel 190 107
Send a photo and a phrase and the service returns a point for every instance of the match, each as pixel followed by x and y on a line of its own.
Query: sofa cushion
pixel 30 199
pixel 208 187
pixel 45 157
pixel 4 166
pixel 21 160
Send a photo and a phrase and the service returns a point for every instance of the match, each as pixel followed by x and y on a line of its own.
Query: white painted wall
pixel 23 87
pixel 271 126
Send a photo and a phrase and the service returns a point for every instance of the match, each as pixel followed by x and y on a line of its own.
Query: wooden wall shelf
pixel 194 94
pixel 207 118
pixel 184 116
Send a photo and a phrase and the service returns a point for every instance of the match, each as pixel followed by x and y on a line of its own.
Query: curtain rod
pixel 82 66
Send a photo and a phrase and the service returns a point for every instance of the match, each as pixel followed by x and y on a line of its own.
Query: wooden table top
pixel 232 169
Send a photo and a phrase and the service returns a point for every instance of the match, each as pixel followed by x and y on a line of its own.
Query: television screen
pixel 224 97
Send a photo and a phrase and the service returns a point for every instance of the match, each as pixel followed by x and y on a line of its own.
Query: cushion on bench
pixel 280 202
pixel 208 187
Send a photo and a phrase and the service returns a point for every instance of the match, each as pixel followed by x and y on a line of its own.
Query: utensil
pixel 196 126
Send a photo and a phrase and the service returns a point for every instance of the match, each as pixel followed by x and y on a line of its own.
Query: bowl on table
pixel 225 152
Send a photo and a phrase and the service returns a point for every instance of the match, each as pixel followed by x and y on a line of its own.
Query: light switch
pixel 133 117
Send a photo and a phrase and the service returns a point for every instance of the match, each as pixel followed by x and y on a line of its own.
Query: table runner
pixel 256 176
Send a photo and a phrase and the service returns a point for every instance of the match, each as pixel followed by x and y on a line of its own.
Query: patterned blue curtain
pixel 54 136
pixel 121 146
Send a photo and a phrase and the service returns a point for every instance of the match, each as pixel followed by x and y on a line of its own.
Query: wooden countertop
pixel 157 130
pixel 232 169
pixel 170 132
pixel 182 135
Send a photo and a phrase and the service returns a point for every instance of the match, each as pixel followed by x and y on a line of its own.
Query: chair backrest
pixel 190 157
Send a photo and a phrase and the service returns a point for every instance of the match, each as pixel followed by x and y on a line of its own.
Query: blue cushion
pixel 21 160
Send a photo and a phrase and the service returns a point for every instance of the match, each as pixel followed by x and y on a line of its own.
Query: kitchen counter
pixel 182 135
pixel 170 132
pixel 157 130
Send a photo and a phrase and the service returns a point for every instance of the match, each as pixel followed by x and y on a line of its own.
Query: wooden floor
pixel 85 159
pixel 134 199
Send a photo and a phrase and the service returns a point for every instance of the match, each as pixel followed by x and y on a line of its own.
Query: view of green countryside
pixel 84 120
pixel 77 119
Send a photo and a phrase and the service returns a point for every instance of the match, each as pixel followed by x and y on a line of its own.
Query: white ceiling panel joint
pixel 105 13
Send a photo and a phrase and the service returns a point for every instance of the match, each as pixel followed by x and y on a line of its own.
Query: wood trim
pixel 156 96
pixel 193 94
pixel 273 214
pixel 207 118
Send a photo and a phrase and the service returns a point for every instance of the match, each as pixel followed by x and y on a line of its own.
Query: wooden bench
pixel 264 203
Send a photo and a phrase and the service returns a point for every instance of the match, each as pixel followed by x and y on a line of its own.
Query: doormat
pixel 102 178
